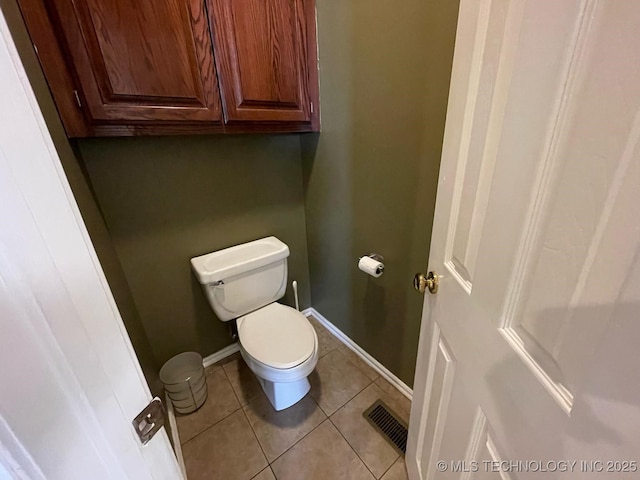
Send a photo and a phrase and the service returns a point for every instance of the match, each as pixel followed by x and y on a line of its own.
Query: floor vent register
pixel 387 423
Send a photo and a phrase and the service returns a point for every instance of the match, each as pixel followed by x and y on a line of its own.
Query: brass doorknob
pixel 422 282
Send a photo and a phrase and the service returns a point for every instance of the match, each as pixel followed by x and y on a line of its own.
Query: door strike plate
pixel 149 420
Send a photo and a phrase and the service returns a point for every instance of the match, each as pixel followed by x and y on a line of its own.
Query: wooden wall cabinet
pixel 118 67
pixel 267 36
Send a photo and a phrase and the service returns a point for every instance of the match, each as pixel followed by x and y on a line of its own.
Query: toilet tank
pixel 243 278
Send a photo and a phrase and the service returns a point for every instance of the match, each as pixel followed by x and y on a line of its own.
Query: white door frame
pixel 70 380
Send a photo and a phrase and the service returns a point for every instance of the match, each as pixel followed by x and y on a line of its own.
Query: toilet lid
pixel 277 335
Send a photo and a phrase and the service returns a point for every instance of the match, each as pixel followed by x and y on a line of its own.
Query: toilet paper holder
pixel 375 256
pixel 378 263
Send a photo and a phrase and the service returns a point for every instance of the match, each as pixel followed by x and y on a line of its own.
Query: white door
pixel 529 351
pixel 70 383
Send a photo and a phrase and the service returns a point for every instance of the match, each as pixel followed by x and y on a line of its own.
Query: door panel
pixel 71 380
pixel 481 450
pixel 537 242
pixel 582 225
pixel 261 50
pixel 143 60
pixel 476 156
pixel 440 381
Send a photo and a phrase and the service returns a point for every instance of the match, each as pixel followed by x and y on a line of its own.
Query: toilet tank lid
pixel 238 259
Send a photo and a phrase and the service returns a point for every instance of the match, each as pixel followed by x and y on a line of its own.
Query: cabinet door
pixel 142 61
pixel 262 57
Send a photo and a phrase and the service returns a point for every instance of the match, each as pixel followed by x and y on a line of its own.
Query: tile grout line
pixel 212 425
pixel 231 385
pixel 340 345
pixel 391 466
pixel 358 368
pixel 241 407
pixel 353 363
pixel 295 443
pixel 351 447
pixel 329 351
pixel 351 398
pixel 338 429
pixel 302 438
pixel 305 435
pixel 330 417
pixel 374 381
pixel 257 440
pixel 269 467
pixel 219 420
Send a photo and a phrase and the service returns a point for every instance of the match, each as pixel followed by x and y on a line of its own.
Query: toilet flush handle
pixel 218 283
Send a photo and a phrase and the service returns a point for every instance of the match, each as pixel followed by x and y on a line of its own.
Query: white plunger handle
pixel 295 294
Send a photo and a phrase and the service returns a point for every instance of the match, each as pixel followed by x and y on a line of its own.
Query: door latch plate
pixel 149 420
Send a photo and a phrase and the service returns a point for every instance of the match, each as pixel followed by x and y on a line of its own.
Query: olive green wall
pixel 365 184
pixel 86 202
pixel 370 176
pixel 167 199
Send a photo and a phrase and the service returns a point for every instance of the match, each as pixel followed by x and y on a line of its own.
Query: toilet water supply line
pixel 295 294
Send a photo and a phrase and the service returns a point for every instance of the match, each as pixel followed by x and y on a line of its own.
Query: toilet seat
pixel 277 336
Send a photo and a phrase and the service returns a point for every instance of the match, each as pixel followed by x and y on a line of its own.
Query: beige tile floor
pixel 238 435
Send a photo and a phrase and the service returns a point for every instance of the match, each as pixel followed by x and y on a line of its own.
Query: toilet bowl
pixel 280 347
pixel 277 342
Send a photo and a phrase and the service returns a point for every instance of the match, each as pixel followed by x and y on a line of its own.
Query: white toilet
pixel 277 342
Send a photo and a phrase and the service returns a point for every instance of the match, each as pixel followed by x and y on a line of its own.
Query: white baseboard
pixel 358 350
pixel 220 354
pixel 175 437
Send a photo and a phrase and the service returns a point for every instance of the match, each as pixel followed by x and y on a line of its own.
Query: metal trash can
pixel 184 381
